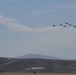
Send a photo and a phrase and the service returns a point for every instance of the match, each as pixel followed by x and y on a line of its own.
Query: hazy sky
pixel 26 27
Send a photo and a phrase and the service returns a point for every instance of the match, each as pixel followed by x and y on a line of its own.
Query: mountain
pixel 28 56
pixel 51 65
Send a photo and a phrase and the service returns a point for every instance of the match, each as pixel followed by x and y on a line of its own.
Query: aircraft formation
pixel 66 25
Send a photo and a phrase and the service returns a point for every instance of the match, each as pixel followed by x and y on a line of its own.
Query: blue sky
pixel 26 27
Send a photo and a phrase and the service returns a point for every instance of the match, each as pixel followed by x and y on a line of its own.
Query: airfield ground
pixel 33 74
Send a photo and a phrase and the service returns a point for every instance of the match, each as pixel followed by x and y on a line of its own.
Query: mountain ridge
pixel 39 56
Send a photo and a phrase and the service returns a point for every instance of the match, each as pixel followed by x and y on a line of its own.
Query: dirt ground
pixel 33 74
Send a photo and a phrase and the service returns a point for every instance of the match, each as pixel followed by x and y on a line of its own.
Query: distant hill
pixel 26 65
pixel 28 56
